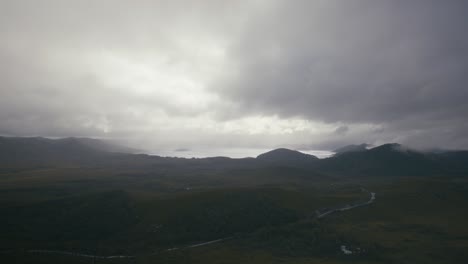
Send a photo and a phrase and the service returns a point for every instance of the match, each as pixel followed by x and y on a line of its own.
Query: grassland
pixel 266 214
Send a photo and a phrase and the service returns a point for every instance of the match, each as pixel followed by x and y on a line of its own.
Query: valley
pixel 122 208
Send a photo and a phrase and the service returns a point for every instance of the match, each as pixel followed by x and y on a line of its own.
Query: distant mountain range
pixel 384 160
pixel 45 151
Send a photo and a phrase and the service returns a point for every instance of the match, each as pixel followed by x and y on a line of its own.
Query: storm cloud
pixel 187 74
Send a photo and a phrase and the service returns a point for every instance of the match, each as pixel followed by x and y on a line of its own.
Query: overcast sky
pixel 192 74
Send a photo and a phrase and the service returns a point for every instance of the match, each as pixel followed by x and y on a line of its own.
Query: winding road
pixel 347 206
pixel 70 253
pixel 319 213
pixel 59 252
pixel 195 245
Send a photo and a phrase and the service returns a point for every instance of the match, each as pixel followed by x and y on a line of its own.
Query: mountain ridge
pixel 384 160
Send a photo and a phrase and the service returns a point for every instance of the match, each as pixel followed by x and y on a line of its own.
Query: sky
pixel 219 74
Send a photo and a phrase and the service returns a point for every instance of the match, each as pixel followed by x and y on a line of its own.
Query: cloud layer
pixel 173 74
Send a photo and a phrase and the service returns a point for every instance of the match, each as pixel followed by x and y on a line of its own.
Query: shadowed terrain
pixel 69 201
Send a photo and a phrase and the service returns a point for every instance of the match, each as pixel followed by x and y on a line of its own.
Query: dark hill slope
pixel 287 157
pixel 37 151
pixel 388 159
pixel 454 162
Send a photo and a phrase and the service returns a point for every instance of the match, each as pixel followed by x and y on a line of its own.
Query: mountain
pixel 455 161
pixel 387 159
pixel 101 145
pixel 351 148
pixel 17 151
pixel 287 157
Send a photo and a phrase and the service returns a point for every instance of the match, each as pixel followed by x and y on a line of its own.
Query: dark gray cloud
pixel 400 64
pixel 182 74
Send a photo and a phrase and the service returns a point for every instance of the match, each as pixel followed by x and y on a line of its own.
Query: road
pixel 59 252
pixel 348 206
pixel 70 253
pixel 319 214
